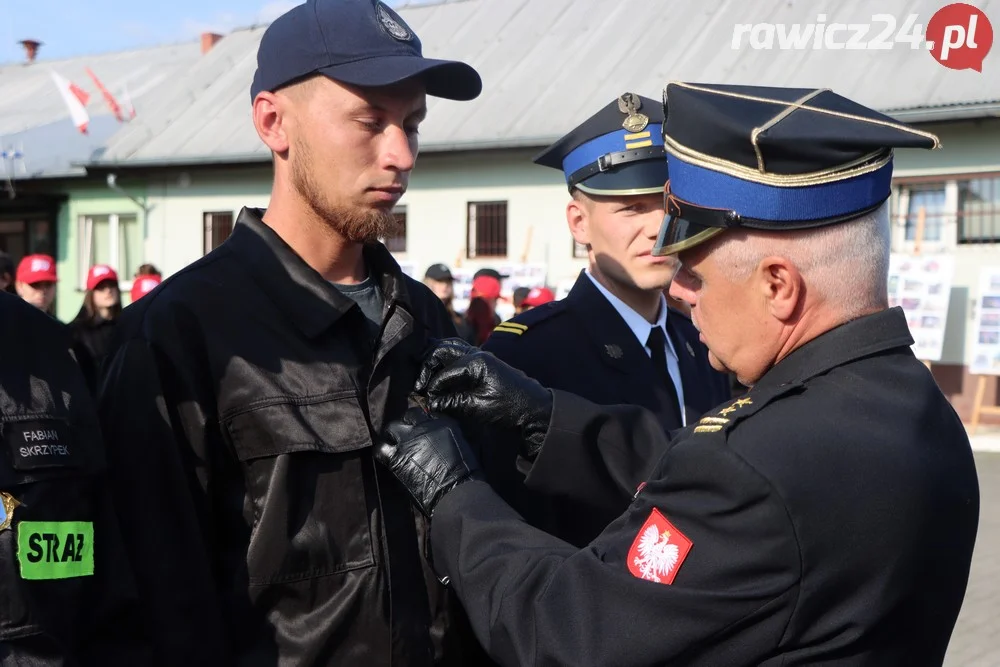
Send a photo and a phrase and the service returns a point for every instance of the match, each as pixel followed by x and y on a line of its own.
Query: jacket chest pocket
pixel 310 484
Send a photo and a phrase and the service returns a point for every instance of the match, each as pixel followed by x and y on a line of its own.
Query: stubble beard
pixel 354 223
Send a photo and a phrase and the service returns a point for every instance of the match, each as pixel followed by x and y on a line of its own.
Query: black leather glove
pixel 484 394
pixel 441 353
pixel 428 455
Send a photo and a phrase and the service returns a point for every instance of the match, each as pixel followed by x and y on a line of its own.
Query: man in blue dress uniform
pixel 613 339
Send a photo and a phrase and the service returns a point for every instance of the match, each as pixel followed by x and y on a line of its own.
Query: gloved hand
pixel 442 353
pixel 428 455
pixel 483 393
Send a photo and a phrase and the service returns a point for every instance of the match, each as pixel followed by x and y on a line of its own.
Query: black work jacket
pixel 791 527
pixel 240 411
pixel 66 593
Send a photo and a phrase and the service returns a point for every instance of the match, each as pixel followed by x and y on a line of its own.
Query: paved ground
pixel 976 641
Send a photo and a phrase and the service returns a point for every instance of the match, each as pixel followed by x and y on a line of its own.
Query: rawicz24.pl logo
pixel 959 35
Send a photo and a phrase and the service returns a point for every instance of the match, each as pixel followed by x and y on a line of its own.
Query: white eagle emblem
pixel 657 556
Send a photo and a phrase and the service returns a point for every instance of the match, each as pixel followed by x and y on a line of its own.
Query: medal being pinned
pixel 7 505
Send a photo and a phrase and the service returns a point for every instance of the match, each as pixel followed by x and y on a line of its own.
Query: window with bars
pixel 487 229
pixel 979 210
pixel 115 240
pixel 397 242
pixel 931 198
pixel 218 226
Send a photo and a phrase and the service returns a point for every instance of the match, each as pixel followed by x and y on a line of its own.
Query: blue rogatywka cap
pixel 773 159
pixel 358 42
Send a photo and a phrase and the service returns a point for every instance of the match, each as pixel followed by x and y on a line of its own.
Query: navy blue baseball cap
pixel 358 42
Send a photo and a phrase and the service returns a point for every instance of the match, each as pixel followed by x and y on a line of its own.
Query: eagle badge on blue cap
pixel 392 24
pixel 630 103
pixel 771 158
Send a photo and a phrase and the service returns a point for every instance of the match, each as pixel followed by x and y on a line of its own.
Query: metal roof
pixel 35 121
pixel 549 64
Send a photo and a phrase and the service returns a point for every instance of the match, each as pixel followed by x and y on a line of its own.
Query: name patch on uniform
pixel 658 551
pixel 39 444
pixel 55 549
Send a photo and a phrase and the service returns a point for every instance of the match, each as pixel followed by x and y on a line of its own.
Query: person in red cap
pixel 538 296
pixel 143 285
pixel 35 281
pixel 94 326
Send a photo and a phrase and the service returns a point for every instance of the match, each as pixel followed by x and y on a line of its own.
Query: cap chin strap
pixel 612 160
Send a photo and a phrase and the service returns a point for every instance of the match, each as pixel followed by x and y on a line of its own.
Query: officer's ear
pixel 782 286
pixel 578 219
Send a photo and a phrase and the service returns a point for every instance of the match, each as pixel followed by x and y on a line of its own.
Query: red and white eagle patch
pixel 658 551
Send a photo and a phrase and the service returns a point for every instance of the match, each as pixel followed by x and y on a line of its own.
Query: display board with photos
pixel 986 349
pixel 921 285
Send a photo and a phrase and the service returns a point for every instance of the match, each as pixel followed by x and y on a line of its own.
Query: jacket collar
pixel 298 290
pixel 865 336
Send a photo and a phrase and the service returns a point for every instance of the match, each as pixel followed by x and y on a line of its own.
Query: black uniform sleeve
pixel 534 600
pixel 158 436
pixel 596 454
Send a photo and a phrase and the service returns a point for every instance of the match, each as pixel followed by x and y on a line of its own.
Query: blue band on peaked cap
pixel 618 151
pixel 614 142
pixel 777 204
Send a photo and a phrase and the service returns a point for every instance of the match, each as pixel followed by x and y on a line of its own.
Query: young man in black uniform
pixel 613 340
pixel 242 405
pixel 66 591
pixel 828 517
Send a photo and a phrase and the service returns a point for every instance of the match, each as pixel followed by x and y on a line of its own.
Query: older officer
pixel 625 343
pixel 826 518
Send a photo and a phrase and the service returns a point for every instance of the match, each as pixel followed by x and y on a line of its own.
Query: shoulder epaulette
pixel 520 323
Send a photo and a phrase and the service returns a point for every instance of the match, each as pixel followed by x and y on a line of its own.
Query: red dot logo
pixel 960 36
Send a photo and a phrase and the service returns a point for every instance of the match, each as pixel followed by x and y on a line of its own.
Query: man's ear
pixel 781 286
pixel 269 117
pixel 577 218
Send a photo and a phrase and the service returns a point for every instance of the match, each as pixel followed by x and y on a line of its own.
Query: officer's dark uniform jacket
pixel 66 593
pixel 831 514
pixel 241 409
pixel 582 345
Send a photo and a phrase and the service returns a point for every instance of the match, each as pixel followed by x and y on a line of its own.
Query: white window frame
pixel 86 246
pixel 949 225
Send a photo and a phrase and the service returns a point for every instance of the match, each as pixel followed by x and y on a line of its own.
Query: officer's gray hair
pixel 846 264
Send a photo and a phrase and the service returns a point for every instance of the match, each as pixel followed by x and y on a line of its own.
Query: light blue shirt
pixel 640 327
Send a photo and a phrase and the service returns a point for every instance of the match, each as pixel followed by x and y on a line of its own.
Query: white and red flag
pixel 76 100
pixel 108 97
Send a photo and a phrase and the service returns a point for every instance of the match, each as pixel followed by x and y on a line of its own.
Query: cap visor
pixel 637 178
pixel 678 234
pixel 449 79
